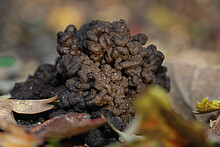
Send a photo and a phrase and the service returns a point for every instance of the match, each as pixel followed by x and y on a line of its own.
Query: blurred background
pixel 183 29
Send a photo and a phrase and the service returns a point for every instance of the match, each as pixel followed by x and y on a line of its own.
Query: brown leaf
pixel 68 125
pixel 192 83
pixel 23 106
pixel 16 136
pixel 214 133
pixel 32 106
pixel 6 112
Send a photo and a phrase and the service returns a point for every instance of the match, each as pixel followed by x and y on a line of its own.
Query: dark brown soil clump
pixel 100 69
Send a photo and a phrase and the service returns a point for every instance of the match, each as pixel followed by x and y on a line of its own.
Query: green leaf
pixel 7 61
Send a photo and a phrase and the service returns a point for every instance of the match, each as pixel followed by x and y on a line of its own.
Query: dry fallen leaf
pixel 23 107
pixel 190 84
pixel 16 136
pixel 64 126
pixel 214 133
pixel 211 122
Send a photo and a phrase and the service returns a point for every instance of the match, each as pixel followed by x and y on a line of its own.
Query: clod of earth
pixel 100 70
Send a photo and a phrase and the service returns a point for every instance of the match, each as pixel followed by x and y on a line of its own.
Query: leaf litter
pixel 23 107
pixel 213 135
pixel 160 125
pixel 16 136
pixel 59 127
pixel 65 126
pixel 190 84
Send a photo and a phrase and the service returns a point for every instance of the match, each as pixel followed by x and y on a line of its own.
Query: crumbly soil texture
pixel 100 69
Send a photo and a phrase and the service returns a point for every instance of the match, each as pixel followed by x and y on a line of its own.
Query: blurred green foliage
pixel 54 142
pixel 7 61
